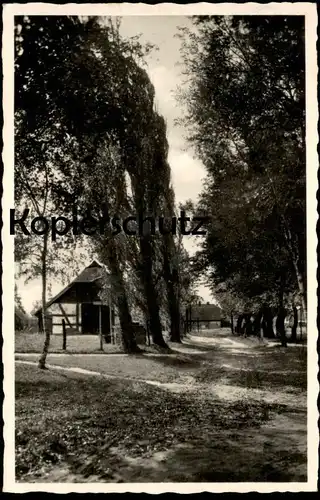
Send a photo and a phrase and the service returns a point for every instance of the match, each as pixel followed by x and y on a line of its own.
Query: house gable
pixel 78 307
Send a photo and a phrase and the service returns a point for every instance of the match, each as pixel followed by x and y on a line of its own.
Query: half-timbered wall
pixel 71 313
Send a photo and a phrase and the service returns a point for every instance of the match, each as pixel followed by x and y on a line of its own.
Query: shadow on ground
pixel 75 428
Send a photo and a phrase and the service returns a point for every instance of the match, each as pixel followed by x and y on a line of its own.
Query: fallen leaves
pixel 76 422
pixel 83 418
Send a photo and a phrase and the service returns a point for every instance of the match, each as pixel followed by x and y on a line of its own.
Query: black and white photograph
pixel 159 247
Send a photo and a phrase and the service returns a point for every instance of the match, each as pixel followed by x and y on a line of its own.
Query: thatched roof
pixel 90 274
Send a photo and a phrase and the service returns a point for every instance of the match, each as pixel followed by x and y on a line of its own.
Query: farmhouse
pixel 79 306
pixel 203 316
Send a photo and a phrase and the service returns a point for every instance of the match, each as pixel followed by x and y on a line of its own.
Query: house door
pixel 90 320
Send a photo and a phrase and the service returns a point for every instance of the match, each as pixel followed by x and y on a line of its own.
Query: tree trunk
pixel 302 288
pixel 239 324
pixel 126 324
pixel 118 285
pixel 150 292
pixel 148 331
pixel 293 248
pixel 292 243
pixel 280 326
pixel 295 324
pixel 248 325
pixel 171 279
pixel 242 325
pixel 182 327
pixel 257 323
pixel 267 323
pixel 189 322
pixel 175 333
pixel 46 331
pixel 231 323
pixel 127 329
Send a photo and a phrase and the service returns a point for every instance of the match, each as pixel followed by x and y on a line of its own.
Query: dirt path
pixel 273 451
pixel 219 340
pixel 219 388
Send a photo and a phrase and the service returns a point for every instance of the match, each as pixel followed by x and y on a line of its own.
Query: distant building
pixel 204 316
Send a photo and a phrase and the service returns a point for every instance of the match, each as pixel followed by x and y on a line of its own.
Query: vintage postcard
pixel 159 247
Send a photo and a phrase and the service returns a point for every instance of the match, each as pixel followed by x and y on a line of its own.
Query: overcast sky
pixel 187 172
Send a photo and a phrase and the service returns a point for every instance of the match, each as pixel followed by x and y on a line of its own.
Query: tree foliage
pixel 244 98
pixel 85 120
